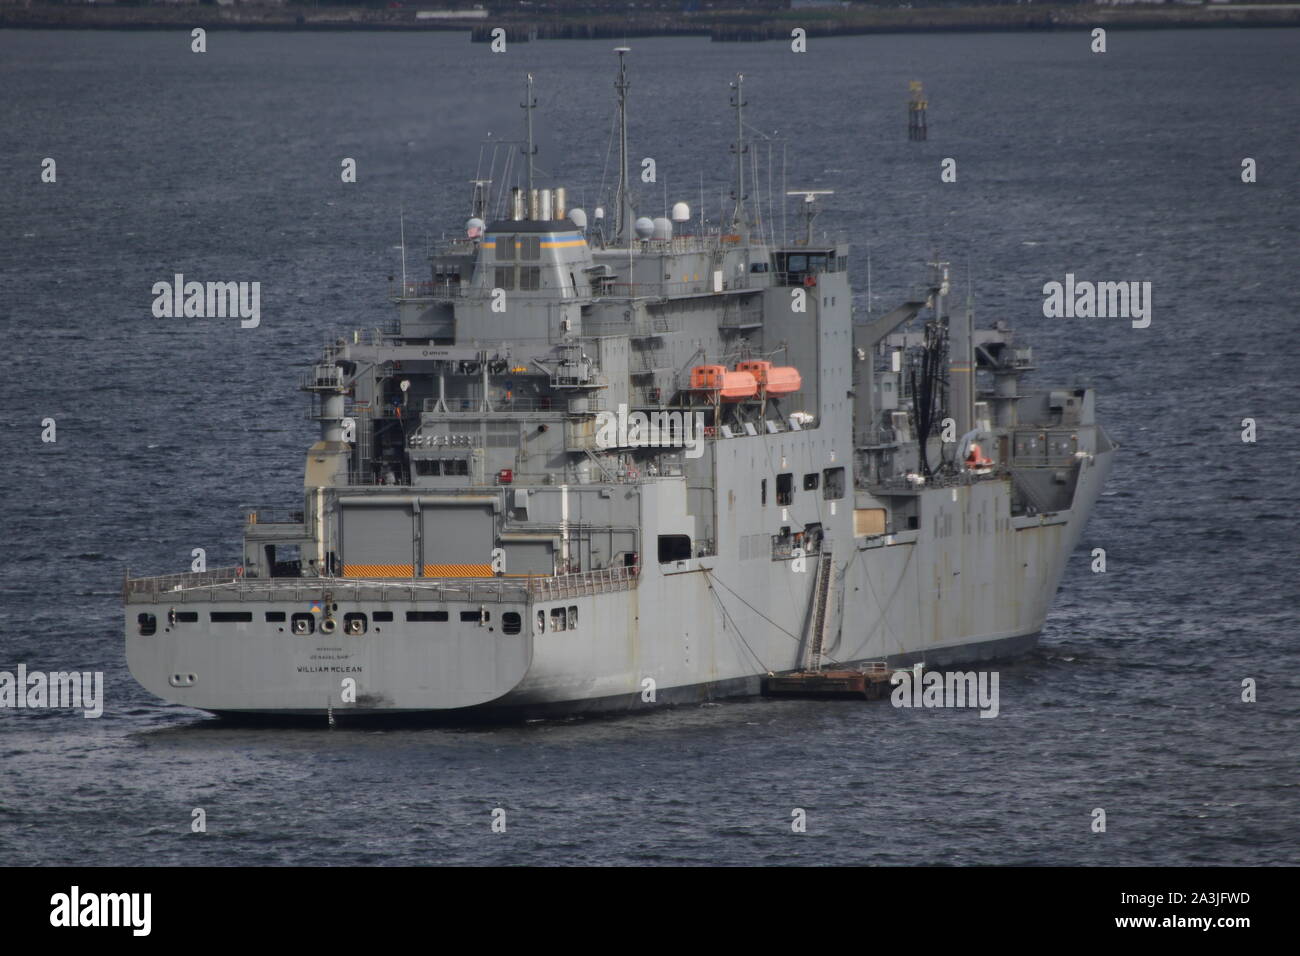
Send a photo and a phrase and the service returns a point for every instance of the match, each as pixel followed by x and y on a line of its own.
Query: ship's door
pixel 378 541
pixel 457 541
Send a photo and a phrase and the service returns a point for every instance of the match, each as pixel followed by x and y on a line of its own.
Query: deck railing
pixel 228 584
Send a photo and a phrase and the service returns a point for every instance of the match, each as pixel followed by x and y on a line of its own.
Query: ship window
pixel 504 277
pixel 833 484
pixel 817 263
pixel 573 617
pixel 148 624
pixel 428 467
pixel 784 489
pixel 505 247
pixel 530 278
pixel 475 616
pixel 424 617
pixel 810 482
pixel 455 466
pixel 674 547
pixel 541 622
pixel 530 247
pixel 187 617
pixel 557 619
pixel 230 617
pixel 762 492
pixel 797 263
pixel 383 617
pixel 511 623
pixel 274 617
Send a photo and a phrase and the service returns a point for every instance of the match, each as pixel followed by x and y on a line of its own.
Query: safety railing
pixel 273 516
pixel 228 584
pixel 181 582
pixel 583 583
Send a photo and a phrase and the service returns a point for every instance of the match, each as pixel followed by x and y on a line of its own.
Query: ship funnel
pixel 534 204
pixel 516 204
pixel 544 205
pixel 558 202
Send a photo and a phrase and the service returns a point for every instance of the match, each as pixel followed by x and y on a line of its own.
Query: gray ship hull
pixel 701 629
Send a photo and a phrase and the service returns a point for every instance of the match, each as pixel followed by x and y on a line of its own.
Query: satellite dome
pixel 662 228
pixel 681 212
pixel 474 228
pixel 644 227
pixel 578 218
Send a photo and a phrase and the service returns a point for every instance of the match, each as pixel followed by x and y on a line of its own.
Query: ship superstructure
pixel 605 464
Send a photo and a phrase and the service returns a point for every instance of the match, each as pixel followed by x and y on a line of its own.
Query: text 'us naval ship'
pixel 594 469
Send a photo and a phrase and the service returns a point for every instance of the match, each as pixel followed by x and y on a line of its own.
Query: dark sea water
pixel 1122 166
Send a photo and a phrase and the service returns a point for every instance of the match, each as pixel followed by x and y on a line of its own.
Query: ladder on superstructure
pixel 821 605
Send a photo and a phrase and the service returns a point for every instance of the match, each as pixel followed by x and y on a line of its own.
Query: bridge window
pixel 530 278
pixel 674 547
pixel 504 277
pixel 530 247
pixel 505 248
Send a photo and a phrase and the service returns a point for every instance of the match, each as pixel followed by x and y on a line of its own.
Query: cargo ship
pixel 610 462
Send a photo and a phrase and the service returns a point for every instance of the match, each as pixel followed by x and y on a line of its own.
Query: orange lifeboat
pixel 725 385
pixel 773 379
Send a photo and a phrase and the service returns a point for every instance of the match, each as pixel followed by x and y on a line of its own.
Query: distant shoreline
pixel 717 25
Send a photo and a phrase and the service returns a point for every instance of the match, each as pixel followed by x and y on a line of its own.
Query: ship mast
pixel 623 203
pixel 529 104
pixel 738 223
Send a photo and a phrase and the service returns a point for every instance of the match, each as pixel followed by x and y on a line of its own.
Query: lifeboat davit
pixel 723 384
pixel 773 379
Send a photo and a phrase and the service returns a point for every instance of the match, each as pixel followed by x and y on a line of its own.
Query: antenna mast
pixel 738 102
pixel 529 104
pixel 623 216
